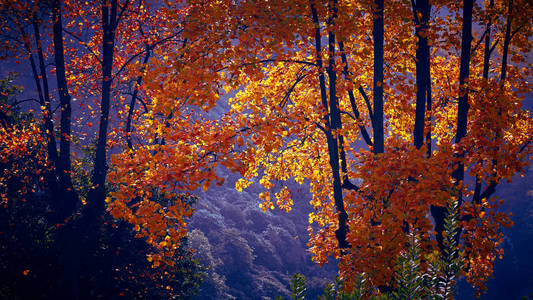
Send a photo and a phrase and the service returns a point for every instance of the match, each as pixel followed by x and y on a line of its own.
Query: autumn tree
pixel 307 111
pixel 98 50
pixel 387 110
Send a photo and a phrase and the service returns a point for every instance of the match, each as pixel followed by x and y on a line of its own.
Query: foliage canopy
pixel 388 111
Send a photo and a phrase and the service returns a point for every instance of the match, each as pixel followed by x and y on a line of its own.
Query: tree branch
pixel 82 42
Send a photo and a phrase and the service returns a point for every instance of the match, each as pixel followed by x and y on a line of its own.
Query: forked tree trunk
pixel 332 119
pixel 64 161
pixel 491 187
pixel 68 239
pixel 96 203
pixel 438 212
pixel 45 100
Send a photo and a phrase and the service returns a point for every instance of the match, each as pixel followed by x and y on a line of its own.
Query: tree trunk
pixel 506 42
pixel 351 96
pixel 377 122
pixel 486 54
pixel 98 193
pixel 491 187
pixel 68 239
pixel 64 162
pixel 422 11
pixel 45 100
pixel 334 116
pixel 462 115
pixel 336 127
pixel 93 214
pixel 134 99
pixel 486 65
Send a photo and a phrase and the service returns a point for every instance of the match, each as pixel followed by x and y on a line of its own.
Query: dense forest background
pixel 281 237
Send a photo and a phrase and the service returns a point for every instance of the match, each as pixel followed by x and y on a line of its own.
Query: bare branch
pixel 82 42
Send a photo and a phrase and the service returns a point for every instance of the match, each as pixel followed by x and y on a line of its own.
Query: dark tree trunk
pixel 45 100
pixel 69 239
pixel 422 11
pixel 462 113
pixel 506 42
pixel 464 72
pixel 332 119
pixel 93 214
pixel 377 121
pixel 64 165
pixel 336 126
pixel 98 193
pixel 491 187
pixel 134 100
pixel 51 147
pixel 69 195
pixel 486 54
pixel 486 65
pixel 351 96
